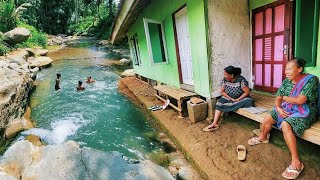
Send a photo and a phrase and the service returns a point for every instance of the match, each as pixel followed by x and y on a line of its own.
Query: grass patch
pixel 161 158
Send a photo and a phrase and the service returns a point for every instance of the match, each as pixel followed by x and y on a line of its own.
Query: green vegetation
pixel 72 17
pixel 161 158
pixel 10 14
pixel 3 47
pixel 37 38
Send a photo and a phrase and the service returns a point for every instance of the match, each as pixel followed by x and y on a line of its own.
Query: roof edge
pixel 125 7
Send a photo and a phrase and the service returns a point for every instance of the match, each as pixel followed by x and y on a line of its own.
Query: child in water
pixel 57 85
pixel 80 87
pixel 90 80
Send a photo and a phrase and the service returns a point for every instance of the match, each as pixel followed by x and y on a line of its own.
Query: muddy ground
pixel 214 153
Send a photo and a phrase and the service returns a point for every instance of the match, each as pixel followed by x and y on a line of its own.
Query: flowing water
pixel 98 117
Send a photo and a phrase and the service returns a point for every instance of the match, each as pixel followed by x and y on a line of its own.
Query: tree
pixel 9 14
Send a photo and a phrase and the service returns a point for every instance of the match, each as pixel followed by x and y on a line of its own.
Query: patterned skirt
pixel 298 125
pixel 225 105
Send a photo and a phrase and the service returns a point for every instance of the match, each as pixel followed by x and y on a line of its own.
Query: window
pixel 307 18
pixel 135 50
pixel 155 41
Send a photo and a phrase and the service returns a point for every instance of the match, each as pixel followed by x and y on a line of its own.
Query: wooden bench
pixel 266 101
pixel 179 94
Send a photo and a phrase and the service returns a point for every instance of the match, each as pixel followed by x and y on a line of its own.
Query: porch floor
pixel 266 101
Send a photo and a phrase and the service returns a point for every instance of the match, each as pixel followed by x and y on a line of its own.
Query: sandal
pixel 209 129
pixel 156 108
pixel 292 173
pixel 242 152
pixel 255 141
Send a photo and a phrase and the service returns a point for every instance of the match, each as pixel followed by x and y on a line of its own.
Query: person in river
pixel 90 80
pixel 80 87
pixel 294 111
pixel 235 94
pixel 57 85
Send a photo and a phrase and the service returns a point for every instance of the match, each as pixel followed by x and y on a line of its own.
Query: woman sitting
pixel 235 94
pixel 294 111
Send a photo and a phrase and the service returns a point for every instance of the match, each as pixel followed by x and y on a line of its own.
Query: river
pixel 99 117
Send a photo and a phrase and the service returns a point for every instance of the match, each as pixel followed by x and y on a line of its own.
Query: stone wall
pixel 229 36
pixel 16 81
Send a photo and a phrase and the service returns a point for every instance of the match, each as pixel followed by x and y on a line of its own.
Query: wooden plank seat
pixel 179 94
pixel 266 101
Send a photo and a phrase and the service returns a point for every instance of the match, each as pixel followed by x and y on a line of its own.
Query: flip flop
pixel 257 132
pixel 207 129
pixel 151 107
pixel 255 141
pixel 293 172
pixel 156 108
pixel 242 152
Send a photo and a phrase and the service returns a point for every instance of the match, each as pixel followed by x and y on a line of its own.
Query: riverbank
pixel 214 153
pixel 17 74
pixel 62 116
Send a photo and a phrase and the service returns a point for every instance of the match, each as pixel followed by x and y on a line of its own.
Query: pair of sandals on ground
pixel 158 107
pixel 289 173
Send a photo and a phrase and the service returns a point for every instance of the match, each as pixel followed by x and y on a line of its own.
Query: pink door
pixel 270 42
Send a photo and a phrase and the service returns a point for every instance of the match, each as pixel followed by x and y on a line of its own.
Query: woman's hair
pixel 299 62
pixel 233 70
pixel 80 83
pixel 58 75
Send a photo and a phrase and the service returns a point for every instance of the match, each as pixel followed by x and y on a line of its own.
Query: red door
pixel 271 39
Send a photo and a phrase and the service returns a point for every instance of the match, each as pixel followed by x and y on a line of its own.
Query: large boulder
pixel 69 161
pixel 128 73
pixel 125 61
pixel 41 52
pixel 19 56
pixel 16 35
pixel 17 126
pixel 40 62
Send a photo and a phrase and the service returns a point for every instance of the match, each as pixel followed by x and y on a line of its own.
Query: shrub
pixel 4 49
pixel 83 26
pixel 37 38
pixel 9 14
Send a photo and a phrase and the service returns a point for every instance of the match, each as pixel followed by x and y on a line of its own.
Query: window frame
pixel 135 51
pixel 315 29
pixel 146 28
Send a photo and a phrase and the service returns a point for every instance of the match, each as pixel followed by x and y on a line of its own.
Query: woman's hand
pixel 231 99
pixel 283 113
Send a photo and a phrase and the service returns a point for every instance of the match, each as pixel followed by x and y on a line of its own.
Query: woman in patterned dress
pixel 294 111
pixel 235 94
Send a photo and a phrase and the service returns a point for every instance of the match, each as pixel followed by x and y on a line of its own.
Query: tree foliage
pixel 9 14
pixel 82 17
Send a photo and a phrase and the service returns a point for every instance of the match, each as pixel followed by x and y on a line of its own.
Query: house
pixel 260 36
pixel 168 41
pixel 187 43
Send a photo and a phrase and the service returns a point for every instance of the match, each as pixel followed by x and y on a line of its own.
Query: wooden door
pixel 271 42
pixel 183 41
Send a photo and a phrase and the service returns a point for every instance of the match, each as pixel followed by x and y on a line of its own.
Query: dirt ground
pixel 214 154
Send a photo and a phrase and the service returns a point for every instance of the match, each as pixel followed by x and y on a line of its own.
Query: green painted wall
pixel 168 73
pixel 258 3
pixel 316 70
